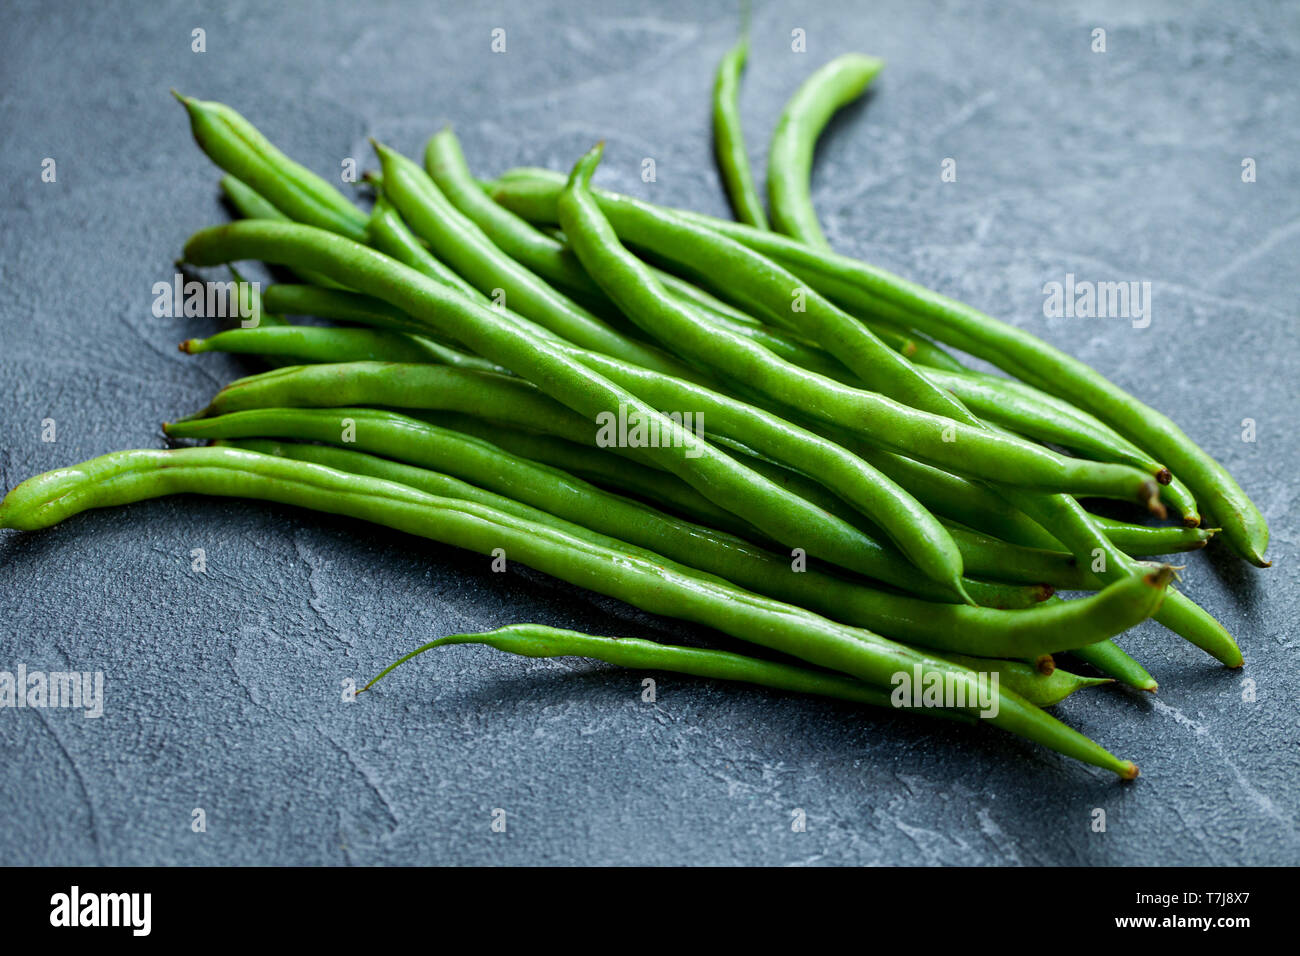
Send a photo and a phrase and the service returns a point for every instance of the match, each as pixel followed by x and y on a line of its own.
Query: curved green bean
pixel 240 149
pixel 729 140
pixel 789 158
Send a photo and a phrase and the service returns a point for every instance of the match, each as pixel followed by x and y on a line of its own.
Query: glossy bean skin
pixel 236 146
pixel 729 140
pixel 330 345
pixel 419 441
pixel 950 627
pixel 920 537
pixel 968 447
pixel 789 158
pixel 717 476
pixel 533 193
pixel 387 232
pixel 1058 513
pixel 641 578
pixel 1109 658
pixel 308 343
pixel 1043 689
pixel 250 204
pixel 468 250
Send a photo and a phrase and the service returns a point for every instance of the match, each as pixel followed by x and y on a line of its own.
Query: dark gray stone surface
pixel 224 689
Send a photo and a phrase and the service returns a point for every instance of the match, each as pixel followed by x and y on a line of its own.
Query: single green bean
pixel 309 343
pixel 789 158
pixel 1046 689
pixel 536 640
pixel 1109 658
pixel 729 140
pixel 236 146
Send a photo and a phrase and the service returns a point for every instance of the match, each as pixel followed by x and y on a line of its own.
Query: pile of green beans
pixel 825 481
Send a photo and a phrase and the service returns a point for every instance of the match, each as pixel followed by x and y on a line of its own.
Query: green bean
pixel 444 161
pixel 952 627
pixel 236 146
pixel 251 296
pixel 641 578
pixel 1140 540
pixel 340 306
pixel 719 477
pixel 966 448
pixel 906 523
pixel 789 158
pixel 386 231
pixel 1043 689
pixel 467 249
pixel 1109 658
pixel 309 343
pixel 403 437
pixel 250 204
pixel 1029 411
pixel 763 287
pixel 729 141
pixel 536 640
pixel 533 193
pixel 552 260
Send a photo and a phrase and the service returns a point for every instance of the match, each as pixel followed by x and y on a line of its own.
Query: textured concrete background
pixel 223 689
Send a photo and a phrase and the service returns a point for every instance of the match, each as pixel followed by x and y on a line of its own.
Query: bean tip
pixel 1045 664
pixel 1191 521
pixel 1164 475
pixel 181 97
pixel 1128 770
